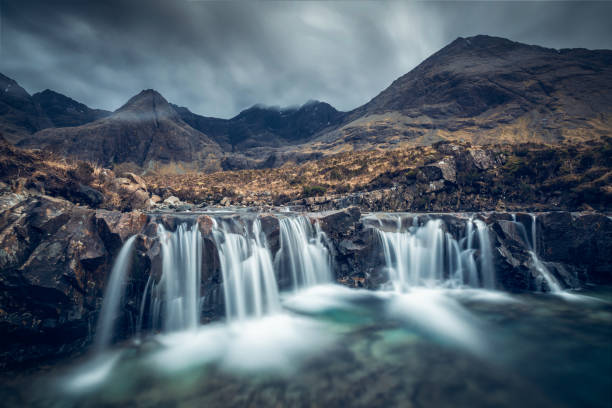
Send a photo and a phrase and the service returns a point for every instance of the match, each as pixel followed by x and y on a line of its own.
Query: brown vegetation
pixel 569 175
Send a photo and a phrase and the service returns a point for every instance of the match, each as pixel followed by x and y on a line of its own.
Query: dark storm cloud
pixel 220 57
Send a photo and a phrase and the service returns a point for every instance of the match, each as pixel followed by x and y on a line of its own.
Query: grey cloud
pixel 218 58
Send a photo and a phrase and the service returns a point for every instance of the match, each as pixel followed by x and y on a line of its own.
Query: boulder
pixel 482 159
pixel 88 195
pixel 172 200
pixel 339 223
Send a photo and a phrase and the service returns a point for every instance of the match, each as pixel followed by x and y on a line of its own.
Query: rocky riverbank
pixel 55 258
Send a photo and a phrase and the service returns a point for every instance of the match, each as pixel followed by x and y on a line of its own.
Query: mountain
pixel 484 90
pixel 20 115
pixel 64 111
pixel 487 90
pixel 146 132
pixel 262 126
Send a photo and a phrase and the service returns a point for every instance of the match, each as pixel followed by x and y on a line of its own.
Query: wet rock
pixel 205 224
pixel 271 228
pixel 580 239
pixel 339 223
pixel 123 224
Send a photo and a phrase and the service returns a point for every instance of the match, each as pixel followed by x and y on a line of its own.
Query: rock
pixel 88 195
pixel 135 180
pixel 205 224
pixel 271 228
pixel 430 173
pixel 123 224
pixel 172 200
pixel 339 223
pixel 54 261
pixel 577 239
pixel 482 159
pixel 448 168
pixel 225 201
pixel 155 199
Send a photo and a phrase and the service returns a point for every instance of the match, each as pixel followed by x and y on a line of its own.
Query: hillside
pixel 487 90
pixel 145 132
pixel 20 115
pixel 482 90
pixel 64 111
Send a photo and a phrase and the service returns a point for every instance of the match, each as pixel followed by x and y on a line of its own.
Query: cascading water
pixel 175 299
pixel 303 252
pixel 113 296
pixel 552 282
pixel 428 256
pixel 250 287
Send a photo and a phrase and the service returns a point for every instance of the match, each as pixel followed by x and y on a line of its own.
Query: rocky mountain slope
pixel 446 176
pixel 64 111
pixel 20 115
pixel 488 90
pixel 483 90
pixel 146 132
pixel 265 126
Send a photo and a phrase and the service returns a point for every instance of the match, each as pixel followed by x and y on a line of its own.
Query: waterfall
pixel 548 277
pixel 428 256
pixel 113 296
pixel 303 252
pixel 551 281
pixel 249 283
pixel 486 256
pixel 175 298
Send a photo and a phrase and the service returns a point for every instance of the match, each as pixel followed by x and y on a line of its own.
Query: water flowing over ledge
pixel 240 264
pixel 67 269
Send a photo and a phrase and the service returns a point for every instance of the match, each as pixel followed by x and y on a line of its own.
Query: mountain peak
pixel 148 102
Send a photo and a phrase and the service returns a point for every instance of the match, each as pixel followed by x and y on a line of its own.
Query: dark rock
pixel 339 223
pixel 578 239
pixel 271 227
pixel 430 173
pixel 89 196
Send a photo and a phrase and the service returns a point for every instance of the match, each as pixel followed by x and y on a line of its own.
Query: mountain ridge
pixel 481 89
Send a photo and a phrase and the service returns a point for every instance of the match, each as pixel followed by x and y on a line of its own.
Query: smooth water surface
pixel 333 346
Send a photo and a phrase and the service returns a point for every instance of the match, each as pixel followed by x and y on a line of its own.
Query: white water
pixel 113 296
pixel 548 277
pixel 303 252
pixel 249 283
pixel 175 298
pixel 428 256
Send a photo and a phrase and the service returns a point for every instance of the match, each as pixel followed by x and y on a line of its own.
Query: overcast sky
pixel 218 58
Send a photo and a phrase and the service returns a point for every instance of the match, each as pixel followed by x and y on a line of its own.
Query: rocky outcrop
pixel 54 262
